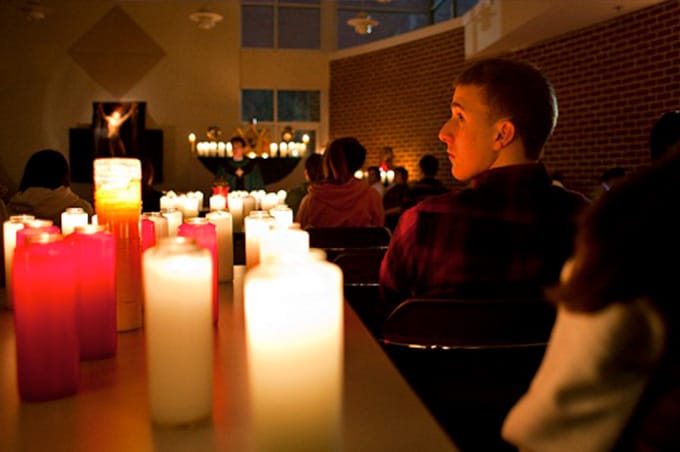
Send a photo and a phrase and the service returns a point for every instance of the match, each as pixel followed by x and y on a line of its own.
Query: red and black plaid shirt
pixel 508 234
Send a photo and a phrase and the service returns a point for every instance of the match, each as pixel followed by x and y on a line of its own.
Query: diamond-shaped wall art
pixel 116 52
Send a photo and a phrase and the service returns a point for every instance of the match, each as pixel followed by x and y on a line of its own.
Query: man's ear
pixel 504 134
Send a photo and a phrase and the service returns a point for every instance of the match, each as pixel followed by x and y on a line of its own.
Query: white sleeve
pixel 594 371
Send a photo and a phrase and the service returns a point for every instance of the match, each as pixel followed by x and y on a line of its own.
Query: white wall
pixel 44 92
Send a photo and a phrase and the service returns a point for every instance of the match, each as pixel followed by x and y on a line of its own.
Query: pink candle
pixel 45 319
pixel 94 261
pixel 35 227
pixel 205 234
pixel 148 234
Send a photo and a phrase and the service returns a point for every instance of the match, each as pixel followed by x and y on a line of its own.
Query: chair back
pixel 469 323
pixel 360 266
pixel 337 240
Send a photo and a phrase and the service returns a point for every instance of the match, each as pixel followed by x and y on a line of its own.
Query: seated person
pixel 44 188
pixel 664 137
pixel 394 198
pixel 428 184
pixel 373 179
pixel 313 173
pixel 609 378
pixel 341 199
pixel 509 232
pixel 240 172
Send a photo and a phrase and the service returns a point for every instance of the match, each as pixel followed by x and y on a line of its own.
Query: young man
pixel 510 231
pixel 240 172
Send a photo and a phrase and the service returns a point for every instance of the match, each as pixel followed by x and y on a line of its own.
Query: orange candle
pixel 118 202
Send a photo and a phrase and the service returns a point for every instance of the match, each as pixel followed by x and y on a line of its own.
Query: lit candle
pixel 225 244
pixel 293 313
pixel 249 204
pixel 9 233
pixel 35 227
pixel 174 217
pixel 160 224
pixel 72 217
pixel 218 202
pixel 205 235
pixel 94 263
pixel 273 149
pixel 281 243
pixel 359 174
pixel 190 207
pixel 269 201
pixel 282 196
pixel 255 224
pixel 283 215
pixel 118 200
pixel 390 176
pixel 283 149
pixel 305 138
pixel 45 319
pixel 148 228
pixel 179 334
pixel 236 211
pixel 192 142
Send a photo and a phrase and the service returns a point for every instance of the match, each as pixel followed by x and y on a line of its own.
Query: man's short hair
pixel 665 134
pixel 238 140
pixel 519 92
pixel 429 165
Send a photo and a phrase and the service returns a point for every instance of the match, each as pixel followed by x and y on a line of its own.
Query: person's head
pixel 665 135
pixel 400 175
pixel 387 155
pixel 373 174
pixel 429 165
pixel 314 168
pixel 343 157
pixel 502 113
pixel 625 243
pixel 238 146
pixel 47 168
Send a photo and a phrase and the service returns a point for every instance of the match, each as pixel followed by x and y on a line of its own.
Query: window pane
pixel 257 103
pixel 299 106
pixel 463 6
pixel 299 28
pixel 257 26
pixel 444 11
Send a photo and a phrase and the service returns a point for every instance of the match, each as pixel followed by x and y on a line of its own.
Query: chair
pixel 469 360
pixel 361 268
pixel 340 239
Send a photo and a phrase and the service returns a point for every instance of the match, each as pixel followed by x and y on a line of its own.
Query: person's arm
pixel 591 378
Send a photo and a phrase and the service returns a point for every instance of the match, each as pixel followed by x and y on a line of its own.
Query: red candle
pixel 205 234
pixel 45 319
pixel 94 254
pixel 35 227
pixel 148 234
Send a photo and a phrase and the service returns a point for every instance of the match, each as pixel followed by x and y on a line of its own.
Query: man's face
pixel 237 149
pixel 469 133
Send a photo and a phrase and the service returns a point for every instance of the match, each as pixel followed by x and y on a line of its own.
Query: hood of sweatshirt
pixel 341 196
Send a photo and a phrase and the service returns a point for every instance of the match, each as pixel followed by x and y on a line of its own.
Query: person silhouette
pixel 114 122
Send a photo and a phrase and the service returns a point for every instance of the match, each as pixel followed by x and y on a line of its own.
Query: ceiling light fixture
pixel 35 11
pixel 363 24
pixel 206 19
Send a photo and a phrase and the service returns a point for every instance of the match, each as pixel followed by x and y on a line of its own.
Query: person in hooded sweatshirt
pixel 341 200
pixel 44 189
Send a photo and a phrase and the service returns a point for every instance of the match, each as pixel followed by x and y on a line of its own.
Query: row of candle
pixel 225 149
pixel 386 177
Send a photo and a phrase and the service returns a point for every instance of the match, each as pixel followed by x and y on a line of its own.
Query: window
pixel 281 24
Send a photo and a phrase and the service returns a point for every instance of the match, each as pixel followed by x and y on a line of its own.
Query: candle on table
pixel 255 224
pixel 281 243
pixel 160 224
pixel 282 196
pixel 45 318
pixel 9 233
pixel 72 217
pixel 269 201
pixel 174 217
pixel 179 333
pixel 293 313
pixel 225 244
pixel 249 204
pixel 236 211
pixel 204 234
pixel 283 215
pixel 94 262
pixel 118 200
pixel 148 228
pixel 218 202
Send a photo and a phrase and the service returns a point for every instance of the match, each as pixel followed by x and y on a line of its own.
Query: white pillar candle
pixel 169 200
pixel 9 233
pixel 249 204
pixel 255 224
pixel 293 313
pixel 175 218
pixel 273 148
pixel 161 227
pixel 179 332
pixel 269 201
pixel 236 211
pixel 218 202
pixel 282 196
pixel 258 195
pixel 283 215
pixel 72 217
pixel 225 244
pixel 190 207
pixel 281 243
pixel 95 219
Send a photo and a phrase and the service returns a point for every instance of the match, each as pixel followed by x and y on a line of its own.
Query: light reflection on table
pixel 380 412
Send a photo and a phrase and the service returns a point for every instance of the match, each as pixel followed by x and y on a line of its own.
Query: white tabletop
pixel 110 412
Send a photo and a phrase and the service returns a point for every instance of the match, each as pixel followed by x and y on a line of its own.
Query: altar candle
pixel 293 313
pixel 192 142
pixel 205 235
pixel 179 334
pixel 225 245
pixel 9 233
pixel 160 224
pixel 72 217
pixel 273 149
pixel 45 319
pixel 94 263
pixel 236 211
pixel 218 202
pixel 118 200
pixel 174 217
pixel 255 224
pixel 283 215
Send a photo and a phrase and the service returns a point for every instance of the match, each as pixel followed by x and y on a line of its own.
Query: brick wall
pixel 613 80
